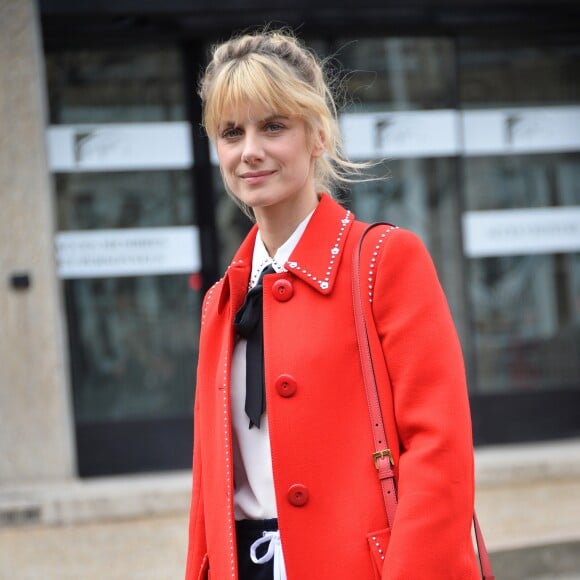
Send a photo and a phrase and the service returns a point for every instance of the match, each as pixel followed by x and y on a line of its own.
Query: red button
pixel 286 385
pixel 298 495
pixel 282 290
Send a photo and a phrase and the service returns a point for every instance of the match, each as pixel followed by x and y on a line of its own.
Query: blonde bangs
pixel 258 82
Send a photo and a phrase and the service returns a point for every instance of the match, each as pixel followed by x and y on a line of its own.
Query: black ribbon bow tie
pixel 248 323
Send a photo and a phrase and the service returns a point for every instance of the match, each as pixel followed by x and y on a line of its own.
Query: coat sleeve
pixel 431 535
pixel 197 545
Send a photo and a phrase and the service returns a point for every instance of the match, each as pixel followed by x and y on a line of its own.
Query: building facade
pixel 471 111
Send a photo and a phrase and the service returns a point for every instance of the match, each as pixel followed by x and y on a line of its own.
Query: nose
pixel 252 151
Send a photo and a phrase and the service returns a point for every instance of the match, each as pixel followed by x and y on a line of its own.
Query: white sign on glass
pixel 128 252
pixel 119 147
pixel 515 232
pixel 522 130
pixel 443 133
pixel 400 134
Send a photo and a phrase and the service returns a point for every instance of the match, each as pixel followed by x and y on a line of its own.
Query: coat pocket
pixel 378 544
pixel 204 573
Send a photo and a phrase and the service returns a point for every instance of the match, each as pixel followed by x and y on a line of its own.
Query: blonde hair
pixel 273 69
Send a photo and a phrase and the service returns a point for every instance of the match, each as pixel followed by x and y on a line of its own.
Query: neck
pixel 277 224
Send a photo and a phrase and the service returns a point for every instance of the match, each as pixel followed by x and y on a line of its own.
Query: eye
pixel 230 133
pixel 274 127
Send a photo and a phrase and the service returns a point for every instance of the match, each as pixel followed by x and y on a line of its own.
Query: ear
pixel 318 143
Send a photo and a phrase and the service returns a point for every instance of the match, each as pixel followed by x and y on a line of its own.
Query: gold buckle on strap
pixel 383 453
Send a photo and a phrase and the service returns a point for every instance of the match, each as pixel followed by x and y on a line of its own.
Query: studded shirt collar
pixel 261 258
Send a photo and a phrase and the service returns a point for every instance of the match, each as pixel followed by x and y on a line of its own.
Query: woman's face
pixel 267 160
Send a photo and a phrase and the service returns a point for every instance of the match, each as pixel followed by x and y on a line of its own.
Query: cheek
pixel 227 177
pixel 228 174
pixel 225 158
pixel 224 163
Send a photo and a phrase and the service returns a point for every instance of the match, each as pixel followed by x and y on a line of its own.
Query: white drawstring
pixel 274 551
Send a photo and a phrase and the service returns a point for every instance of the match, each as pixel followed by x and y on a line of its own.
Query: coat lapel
pixel 315 260
pixel 319 252
pixel 235 283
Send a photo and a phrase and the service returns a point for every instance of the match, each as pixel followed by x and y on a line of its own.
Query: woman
pixel 284 482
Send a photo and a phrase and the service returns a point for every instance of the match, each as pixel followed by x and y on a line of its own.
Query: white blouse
pixel 254 496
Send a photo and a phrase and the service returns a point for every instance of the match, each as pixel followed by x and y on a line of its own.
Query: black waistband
pixel 256 526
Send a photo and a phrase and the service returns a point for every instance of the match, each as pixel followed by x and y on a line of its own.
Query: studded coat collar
pixel 317 256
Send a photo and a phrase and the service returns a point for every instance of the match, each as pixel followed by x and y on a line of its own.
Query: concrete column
pixel 36 422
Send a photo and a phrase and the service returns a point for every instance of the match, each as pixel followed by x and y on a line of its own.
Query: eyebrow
pixel 269 118
pixel 274 117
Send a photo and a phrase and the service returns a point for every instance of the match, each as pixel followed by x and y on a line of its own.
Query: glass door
pixel 128 253
pixel 521 171
pixel 478 144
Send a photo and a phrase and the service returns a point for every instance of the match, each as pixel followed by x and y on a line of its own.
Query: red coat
pixel 320 431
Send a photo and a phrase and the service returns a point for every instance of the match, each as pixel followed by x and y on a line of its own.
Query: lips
pixel 254 177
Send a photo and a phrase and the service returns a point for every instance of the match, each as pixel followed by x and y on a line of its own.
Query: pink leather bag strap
pixel 382 456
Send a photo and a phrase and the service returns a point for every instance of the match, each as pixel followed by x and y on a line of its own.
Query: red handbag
pixel 382 455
